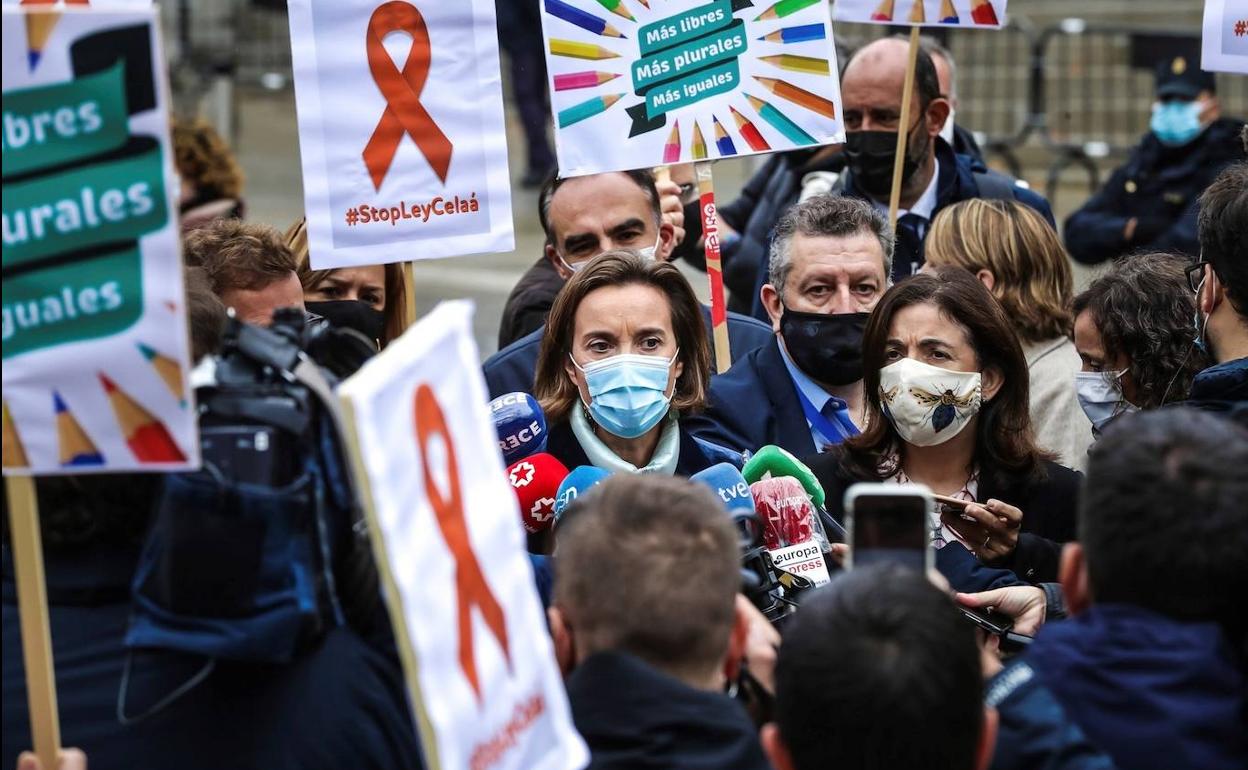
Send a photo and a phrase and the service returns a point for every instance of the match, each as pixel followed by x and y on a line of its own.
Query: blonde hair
pixel 1031 269
pixel 204 159
pixel 396 292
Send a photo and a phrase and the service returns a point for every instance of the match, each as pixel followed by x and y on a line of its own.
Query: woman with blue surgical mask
pixel 624 356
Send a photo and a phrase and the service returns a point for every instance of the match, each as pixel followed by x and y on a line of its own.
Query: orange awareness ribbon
pixel 470 583
pixel 404 113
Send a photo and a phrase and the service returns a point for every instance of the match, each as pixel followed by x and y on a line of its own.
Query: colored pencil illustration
pixel 799 34
pixel 618 8
pixel 948 14
pixel 982 12
pixel 699 142
pixel 785 8
pixel 39 28
pixel 723 142
pixel 807 64
pixel 577 50
pixel 645 4
pixel 145 435
pixel 14 452
pixel 917 14
pixel 587 109
pixel 582 19
pixel 168 370
pixel 780 122
pixel 671 149
pixel 800 96
pixel 588 79
pixel 884 11
pixel 749 132
pixel 75 447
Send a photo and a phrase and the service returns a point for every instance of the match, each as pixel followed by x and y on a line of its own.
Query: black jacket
pixel 529 302
pixel 694 457
pixel 1223 389
pixel 634 717
pixel 1048 507
pixel 1159 186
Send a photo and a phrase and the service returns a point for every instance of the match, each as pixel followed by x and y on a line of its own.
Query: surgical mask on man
pixel 870 155
pixel 1176 123
pixel 946 131
pixel 926 404
pixel 649 252
pixel 1100 397
pixel 628 393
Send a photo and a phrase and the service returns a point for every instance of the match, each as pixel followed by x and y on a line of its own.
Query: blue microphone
pixel 576 484
pixel 520 424
pixel 729 485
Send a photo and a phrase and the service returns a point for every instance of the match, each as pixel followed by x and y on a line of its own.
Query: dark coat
pixel 1048 507
pixel 694 456
pixel 514 367
pixel 1154 693
pixel 529 302
pixel 1222 389
pixel 634 717
pixel 754 404
pixel 340 704
pixel 1159 186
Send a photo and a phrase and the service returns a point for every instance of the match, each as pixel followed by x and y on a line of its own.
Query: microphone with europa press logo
pixel 576 484
pixel 791 529
pixel 535 480
pixel 520 424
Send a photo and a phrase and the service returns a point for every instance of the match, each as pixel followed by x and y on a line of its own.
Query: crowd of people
pixel 1089 449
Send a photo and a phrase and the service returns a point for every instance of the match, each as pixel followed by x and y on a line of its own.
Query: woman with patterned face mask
pixel 947 403
pixel 624 356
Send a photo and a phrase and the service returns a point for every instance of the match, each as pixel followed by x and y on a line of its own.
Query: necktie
pixel 908 257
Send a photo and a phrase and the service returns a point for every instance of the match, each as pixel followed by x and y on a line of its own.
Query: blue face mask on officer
pixel 1176 122
pixel 628 392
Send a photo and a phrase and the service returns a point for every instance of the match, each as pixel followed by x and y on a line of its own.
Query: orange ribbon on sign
pixel 470 583
pixel 404 113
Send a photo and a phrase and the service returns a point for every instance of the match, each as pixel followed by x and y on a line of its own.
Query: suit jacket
pixel 1048 507
pixel 754 404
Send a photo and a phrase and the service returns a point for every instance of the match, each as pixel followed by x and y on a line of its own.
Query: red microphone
pixel 785 511
pixel 536 480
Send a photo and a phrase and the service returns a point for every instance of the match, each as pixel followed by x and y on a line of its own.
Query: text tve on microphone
pixel 536 480
pixel 728 485
pixel 520 424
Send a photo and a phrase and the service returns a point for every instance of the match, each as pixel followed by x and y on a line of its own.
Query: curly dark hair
pixel 1144 310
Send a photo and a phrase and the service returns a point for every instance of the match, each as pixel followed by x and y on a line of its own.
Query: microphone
pixel 773 461
pixel 576 484
pixel 520 424
pixel 536 480
pixel 792 532
pixel 729 485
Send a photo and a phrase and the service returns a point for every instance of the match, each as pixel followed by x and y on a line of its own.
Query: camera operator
pixel 249 266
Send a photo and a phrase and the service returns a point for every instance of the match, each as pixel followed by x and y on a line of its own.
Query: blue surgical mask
pixel 1176 123
pixel 1100 396
pixel 628 393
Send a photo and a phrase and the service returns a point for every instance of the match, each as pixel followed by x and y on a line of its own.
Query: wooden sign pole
pixel 32 604
pixel 409 293
pixel 714 268
pixel 903 129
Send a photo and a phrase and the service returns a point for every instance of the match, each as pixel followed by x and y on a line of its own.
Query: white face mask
pixel 646 253
pixel 946 131
pixel 1100 396
pixel 926 404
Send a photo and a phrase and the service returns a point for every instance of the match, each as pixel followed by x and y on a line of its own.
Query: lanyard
pixel 832 432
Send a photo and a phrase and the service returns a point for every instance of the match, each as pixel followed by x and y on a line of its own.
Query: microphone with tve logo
pixel 576 484
pixel 536 480
pixel 520 424
pixel 728 485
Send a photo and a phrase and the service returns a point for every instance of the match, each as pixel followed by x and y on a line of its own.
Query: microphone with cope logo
pixel 536 480
pixel 576 484
pixel 520 424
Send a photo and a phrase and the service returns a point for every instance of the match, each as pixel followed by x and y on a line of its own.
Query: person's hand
pixel 1128 230
pixel 838 553
pixel 671 209
pixel 1024 604
pixel 760 644
pixel 989 653
pixel 68 759
pixel 990 530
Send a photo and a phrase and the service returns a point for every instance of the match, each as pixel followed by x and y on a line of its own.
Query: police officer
pixel 1150 204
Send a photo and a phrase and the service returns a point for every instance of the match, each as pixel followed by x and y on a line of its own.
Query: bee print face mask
pixel 928 405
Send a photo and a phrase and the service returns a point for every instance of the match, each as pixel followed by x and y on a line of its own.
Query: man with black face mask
pixel 828 266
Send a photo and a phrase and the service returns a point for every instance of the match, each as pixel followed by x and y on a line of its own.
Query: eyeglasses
pixel 1195 273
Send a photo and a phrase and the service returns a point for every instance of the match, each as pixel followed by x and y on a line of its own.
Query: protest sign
pixel 645 84
pixel 1224 44
pixel 925 13
pixel 400 130
pixel 448 540
pixel 95 346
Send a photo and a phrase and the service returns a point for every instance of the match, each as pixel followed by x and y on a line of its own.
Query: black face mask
pixel 870 155
pixel 826 347
pixel 351 314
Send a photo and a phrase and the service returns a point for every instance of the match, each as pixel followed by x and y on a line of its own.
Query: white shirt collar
pixel 925 206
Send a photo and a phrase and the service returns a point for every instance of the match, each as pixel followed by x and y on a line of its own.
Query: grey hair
pixel 825 215
pixel 933 48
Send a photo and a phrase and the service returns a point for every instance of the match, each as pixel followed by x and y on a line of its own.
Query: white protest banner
pixel 1224 44
pixel 645 84
pixel 95 345
pixel 400 130
pixel 925 13
pixel 446 531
